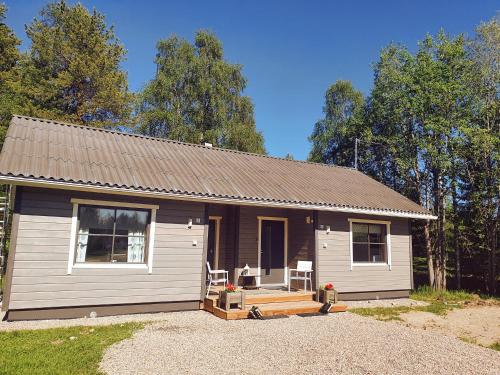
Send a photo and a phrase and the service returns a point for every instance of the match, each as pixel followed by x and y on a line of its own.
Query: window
pixel 369 242
pixel 111 234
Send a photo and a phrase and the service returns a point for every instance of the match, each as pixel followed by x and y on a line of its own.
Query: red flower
pixel 329 286
pixel 230 288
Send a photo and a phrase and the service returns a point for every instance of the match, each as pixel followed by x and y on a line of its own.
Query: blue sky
pixel 291 50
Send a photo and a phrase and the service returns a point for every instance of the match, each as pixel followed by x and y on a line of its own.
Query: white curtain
pixel 81 246
pixel 135 247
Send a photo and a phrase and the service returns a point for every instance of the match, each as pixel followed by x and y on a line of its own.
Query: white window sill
pixel 139 266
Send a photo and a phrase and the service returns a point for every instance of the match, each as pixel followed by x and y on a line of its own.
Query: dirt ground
pixel 477 324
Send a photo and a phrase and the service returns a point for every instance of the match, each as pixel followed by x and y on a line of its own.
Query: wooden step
pixel 277 308
pixel 255 299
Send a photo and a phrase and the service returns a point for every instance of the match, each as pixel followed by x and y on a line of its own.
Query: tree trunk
pixel 492 208
pixel 440 245
pixel 456 243
pixel 492 279
pixel 428 252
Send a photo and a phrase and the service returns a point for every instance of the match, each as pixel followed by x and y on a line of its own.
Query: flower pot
pixel 226 299
pixel 325 296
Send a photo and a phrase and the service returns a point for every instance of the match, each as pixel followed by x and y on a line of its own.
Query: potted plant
pixel 231 295
pixel 327 293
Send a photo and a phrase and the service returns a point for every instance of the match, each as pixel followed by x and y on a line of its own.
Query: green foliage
pixel 333 136
pixel 8 45
pixel 430 129
pixel 76 350
pixel 9 57
pixel 197 96
pixel 72 70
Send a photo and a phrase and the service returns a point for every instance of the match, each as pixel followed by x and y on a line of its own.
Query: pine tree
pixel 9 57
pixel 72 70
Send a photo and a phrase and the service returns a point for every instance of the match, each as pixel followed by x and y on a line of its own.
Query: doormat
pixel 307 315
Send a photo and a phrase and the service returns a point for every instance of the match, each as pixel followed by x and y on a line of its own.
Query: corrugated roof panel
pixel 42 148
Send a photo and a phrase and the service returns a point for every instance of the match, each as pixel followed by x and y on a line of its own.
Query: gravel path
pixel 199 343
pixel 106 320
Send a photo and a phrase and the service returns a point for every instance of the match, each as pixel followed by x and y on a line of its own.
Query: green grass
pixel 75 350
pixel 392 313
pixel 495 346
pixel 439 303
pixel 428 294
pixel 381 313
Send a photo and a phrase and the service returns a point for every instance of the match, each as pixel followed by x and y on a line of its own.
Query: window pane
pixel 377 233
pixel 360 252
pixel 377 252
pixel 136 246
pixel 111 235
pixel 99 249
pixel 131 222
pixel 121 248
pixel 96 220
pixel 359 232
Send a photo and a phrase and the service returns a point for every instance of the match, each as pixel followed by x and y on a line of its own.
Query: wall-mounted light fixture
pixel 327 229
pixel 190 223
pixel 308 219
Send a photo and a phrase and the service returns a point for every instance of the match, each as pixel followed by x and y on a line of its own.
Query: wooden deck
pixel 270 302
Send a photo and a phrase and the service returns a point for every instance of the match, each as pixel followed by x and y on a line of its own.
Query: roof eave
pixel 43 183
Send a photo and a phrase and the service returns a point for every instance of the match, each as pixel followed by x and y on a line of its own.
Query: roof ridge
pixel 56 122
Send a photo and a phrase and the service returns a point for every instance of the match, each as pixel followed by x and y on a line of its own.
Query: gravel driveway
pixel 199 343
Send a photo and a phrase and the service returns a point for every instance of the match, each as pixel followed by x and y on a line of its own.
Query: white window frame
pixel 285 265
pixel 388 244
pixel 74 224
pixel 217 220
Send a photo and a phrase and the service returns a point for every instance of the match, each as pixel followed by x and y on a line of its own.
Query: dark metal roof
pixel 51 151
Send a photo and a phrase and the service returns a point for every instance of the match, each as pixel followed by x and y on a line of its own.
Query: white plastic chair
pixel 302 272
pixel 214 279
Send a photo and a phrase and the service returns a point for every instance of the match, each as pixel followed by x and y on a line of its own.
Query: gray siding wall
pixel 335 259
pixel 40 276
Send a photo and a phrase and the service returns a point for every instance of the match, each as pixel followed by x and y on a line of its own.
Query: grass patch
pixel 468 339
pixel 495 346
pixel 381 313
pixel 392 313
pixel 439 303
pixel 425 293
pixel 75 350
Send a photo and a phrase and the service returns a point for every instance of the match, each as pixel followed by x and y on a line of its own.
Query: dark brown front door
pixel 212 225
pixel 272 252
